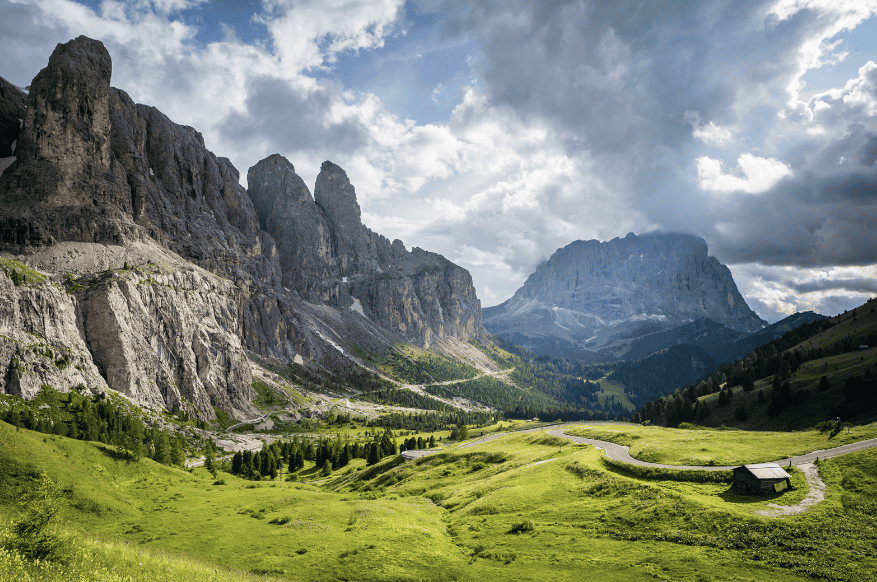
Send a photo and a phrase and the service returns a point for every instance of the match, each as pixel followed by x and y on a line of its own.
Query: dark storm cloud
pixel 807 221
pixel 854 285
pixel 628 82
pixel 623 77
pixel 292 121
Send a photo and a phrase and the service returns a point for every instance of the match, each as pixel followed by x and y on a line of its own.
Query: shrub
pixel 34 535
pixel 281 520
pixel 522 527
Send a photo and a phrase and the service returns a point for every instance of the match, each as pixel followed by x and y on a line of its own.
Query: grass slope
pixel 526 506
pixel 701 446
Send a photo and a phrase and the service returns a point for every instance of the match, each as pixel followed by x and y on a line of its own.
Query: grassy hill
pixel 525 506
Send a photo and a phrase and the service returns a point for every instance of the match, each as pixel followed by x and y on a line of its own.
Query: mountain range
pixel 136 261
pixel 149 269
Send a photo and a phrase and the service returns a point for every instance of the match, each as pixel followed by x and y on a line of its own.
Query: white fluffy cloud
pixel 753 174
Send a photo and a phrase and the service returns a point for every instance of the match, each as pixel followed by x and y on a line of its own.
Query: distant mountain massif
pixel 623 299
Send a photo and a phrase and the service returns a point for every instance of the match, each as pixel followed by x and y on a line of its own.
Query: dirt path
pixel 816 494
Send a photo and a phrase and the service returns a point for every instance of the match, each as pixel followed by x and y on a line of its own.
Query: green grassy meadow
pixel 699 446
pixel 608 389
pixel 525 506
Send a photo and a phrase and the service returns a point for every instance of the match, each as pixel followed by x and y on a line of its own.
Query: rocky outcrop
pixel 328 256
pixel 65 183
pixel 169 339
pixel 602 296
pixel 41 340
pixel 165 337
pixel 285 209
pixel 286 276
pixel 12 108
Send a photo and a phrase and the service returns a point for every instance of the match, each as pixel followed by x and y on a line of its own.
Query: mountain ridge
pixel 165 270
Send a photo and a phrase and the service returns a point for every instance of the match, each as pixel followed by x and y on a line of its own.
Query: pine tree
pixel 209 458
pixel 824 384
pixel 257 465
pixel 162 451
pixel 178 451
pixel 373 455
pixel 272 467
pixel 344 457
pixel 237 463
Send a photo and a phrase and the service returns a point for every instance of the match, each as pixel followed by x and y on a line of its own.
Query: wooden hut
pixel 760 479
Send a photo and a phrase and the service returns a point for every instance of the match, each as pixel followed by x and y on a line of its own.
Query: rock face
pixel 65 183
pixel 41 341
pixel 12 109
pixel 595 296
pixel 327 255
pixel 269 270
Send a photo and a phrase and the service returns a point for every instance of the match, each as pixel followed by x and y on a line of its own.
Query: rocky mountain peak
pixel 593 295
pixel 286 211
pixel 336 195
pixel 175 274
pixel 71 96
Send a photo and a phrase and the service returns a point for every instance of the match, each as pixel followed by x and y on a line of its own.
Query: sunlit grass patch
pixel 704 446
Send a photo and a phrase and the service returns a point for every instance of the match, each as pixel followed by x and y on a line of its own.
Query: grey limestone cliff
pixel 327 255
pixel 270 270
pixel 13 105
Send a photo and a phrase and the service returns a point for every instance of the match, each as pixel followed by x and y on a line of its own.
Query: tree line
pixel 95 418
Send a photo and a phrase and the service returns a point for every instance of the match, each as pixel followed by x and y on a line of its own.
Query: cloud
pixel 312 33
pixel 567 120
pixel 753 176
pixel 777 292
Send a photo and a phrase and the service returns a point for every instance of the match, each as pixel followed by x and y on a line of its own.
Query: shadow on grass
pixel 734 495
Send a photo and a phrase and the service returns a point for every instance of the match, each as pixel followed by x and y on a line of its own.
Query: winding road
pixel 805 463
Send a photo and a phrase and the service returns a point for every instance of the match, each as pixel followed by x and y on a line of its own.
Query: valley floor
pixel 523 506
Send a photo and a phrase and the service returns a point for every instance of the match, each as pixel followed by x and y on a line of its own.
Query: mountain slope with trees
pixel 816 372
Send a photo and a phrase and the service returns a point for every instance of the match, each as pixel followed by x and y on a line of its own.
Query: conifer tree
pixel 373 455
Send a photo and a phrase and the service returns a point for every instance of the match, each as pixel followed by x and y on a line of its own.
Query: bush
pixel 522 527
pixel 281 520
pixel 35 537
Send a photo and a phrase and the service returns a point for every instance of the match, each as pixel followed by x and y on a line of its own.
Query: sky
pixel 495 133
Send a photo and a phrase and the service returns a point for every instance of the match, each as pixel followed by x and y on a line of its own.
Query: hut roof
pixel 767 471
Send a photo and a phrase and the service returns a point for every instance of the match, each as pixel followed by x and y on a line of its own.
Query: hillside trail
pixel 470 404
pixel 816 494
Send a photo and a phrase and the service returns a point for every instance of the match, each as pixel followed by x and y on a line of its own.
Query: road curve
pixel 621 453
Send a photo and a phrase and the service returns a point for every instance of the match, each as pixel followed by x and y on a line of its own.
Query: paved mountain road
pixel 621 453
